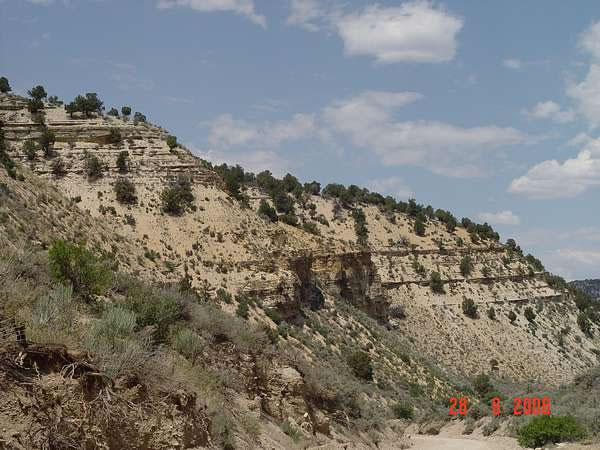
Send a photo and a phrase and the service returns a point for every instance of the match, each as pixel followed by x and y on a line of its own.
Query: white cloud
pixel 513 63
pixel 242 7
pixel 307 14
pixel 550 110
pixel 228 132
pixel 589 40
pixel 412 32
pixel 587 95
pixel 574 263
pixel 394 186
pixel 500 218
pixel 253 160
pixel 443 148
pixel 551 179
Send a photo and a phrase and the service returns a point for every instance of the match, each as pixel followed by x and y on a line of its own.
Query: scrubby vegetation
pixel 177 197
pixel 74 264
pixel 125 191
pixel 549 429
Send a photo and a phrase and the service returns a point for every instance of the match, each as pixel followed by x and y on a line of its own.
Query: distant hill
pixel 590 287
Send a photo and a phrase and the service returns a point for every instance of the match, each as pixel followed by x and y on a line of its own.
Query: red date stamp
pixel 522 406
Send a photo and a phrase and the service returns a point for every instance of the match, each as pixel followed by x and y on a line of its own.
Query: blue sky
pixel 488 109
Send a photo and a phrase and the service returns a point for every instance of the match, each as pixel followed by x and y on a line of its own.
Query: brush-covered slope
pixel 224 243
pixel 352 306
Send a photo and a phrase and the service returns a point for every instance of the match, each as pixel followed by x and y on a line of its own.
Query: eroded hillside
pixel 322 281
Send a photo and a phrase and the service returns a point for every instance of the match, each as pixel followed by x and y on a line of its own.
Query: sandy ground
pixel 435 442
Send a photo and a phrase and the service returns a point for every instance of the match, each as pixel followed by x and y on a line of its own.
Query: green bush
pixel 242 309
pixel 549 429
pixel 113 112
pixel 123 161
pixel 482 384
pixel 403 411
pixel 30 149
pixel 436 284
pixel 529 314
pixel 267 211
pixel 491 313
pixel 172 142
pixel 93 166
pixel 115 346
pixel 360 363
pixel 177 197
pixel 360 227
pixel 291 431
pixel 155 307
pixel 73 263
pixel 512 316
pixel 125 191
pixel 187 342
pixel 114 135
pixel 469 308
pixel 126 111
pixel 46 141
pixel 466 265
pixel 4 85
pixel 419 227
pixel 58 167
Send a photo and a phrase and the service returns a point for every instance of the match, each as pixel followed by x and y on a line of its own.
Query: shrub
pixel 466 265
pixel 4 85
pixel 58 167
pixel 93 167
pixel 549 429
pixel 114 136
pixel 584 324
pixel 403 411
pixel 223 296
pixel 73 263
pixel 512 316
pixel 37 93
pixel 491 313
pixel 291 431
pixel 419 228
pixel 187 342
pixel 360 227
pixel 123 161
pixel 155 307
pixel 242 309
pixel 126 111
pixel 267 211
pixel 534 263
pixel 172 142
pixel 177 197
pixel 30 149
pixel 310 227
pixel 46 141
pixel 529 314
pixel 113 112
pixel 469 308
pixel 139 117
pixel 312 188
pixel 491 426
pixel 54 308
pixel 360 363
pixel 436 284
pixel 482 384
pixel 116 348
pixel 125 191
pixel 34 105
pixel 283 203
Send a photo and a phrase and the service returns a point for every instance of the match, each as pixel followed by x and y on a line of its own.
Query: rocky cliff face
pixel 223 244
